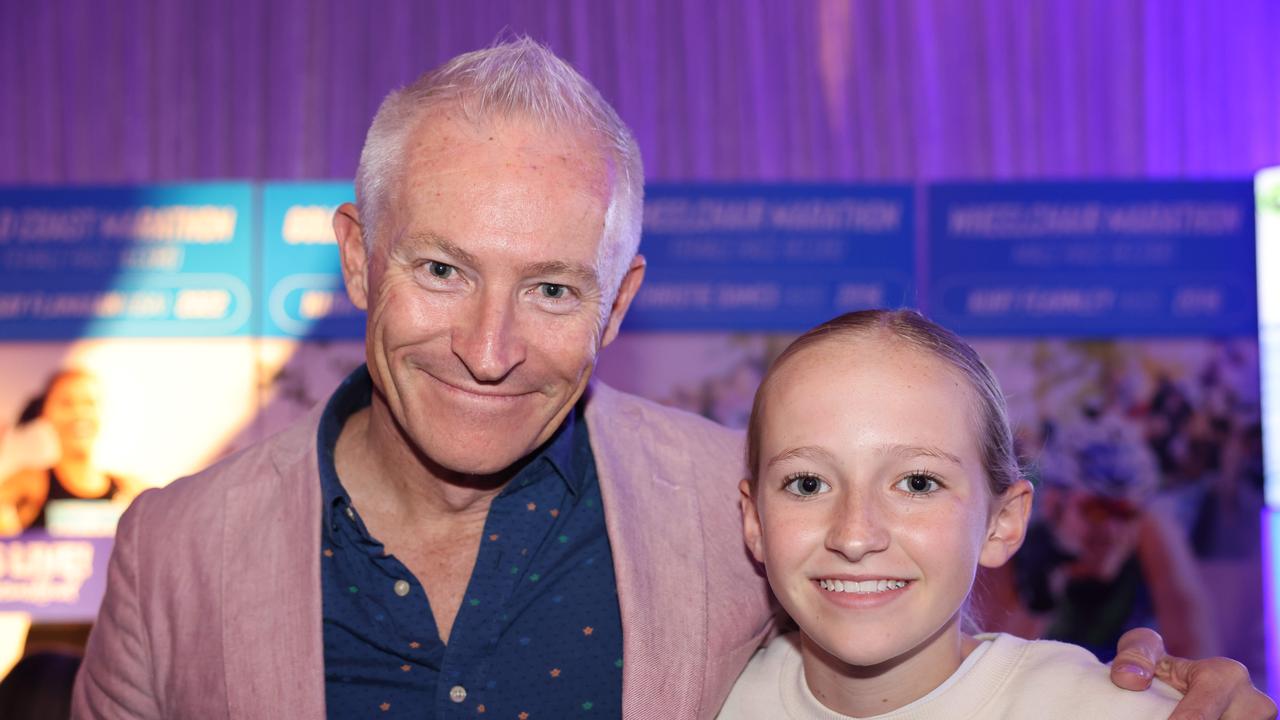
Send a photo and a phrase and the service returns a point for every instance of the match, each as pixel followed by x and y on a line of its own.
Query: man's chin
pixel 496 464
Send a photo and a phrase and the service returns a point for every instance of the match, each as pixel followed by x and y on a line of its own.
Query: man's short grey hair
pixel 522 79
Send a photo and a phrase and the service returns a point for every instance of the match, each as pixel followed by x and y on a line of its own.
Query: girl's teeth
pixel 861 587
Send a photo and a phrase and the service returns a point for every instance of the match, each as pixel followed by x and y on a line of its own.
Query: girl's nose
pixel 857 528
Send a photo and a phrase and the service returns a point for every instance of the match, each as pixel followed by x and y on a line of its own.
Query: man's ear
pixel 626 293
pixel 1007 527
pixel 355 257
pixel 750 522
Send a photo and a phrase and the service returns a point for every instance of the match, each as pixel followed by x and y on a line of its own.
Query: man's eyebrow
pixel 443 244
pixel 584 274
pixel 806 452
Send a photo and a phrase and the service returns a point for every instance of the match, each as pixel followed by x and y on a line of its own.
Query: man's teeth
pixel 861 586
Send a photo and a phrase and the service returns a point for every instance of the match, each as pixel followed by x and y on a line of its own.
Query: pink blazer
pixel 213 603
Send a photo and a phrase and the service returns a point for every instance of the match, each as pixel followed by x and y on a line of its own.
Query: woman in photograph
pixel 69 407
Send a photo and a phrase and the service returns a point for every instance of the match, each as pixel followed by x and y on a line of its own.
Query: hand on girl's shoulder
pixel 1049 679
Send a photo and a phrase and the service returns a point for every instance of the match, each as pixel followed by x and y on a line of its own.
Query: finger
pixel 1136 656
pixel 1254 707
pixel 1204 700
pixel 1201 703
pixel 1216 687
pixel 1180 673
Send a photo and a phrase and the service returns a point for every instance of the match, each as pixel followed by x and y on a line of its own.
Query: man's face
pixel 483 290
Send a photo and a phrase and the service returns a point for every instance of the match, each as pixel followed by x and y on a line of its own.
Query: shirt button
pixel 351 513
pixel 402 589
pixel 457 693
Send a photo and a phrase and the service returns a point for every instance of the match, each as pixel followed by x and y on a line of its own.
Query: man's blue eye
pixel 553 291
pixel 439 269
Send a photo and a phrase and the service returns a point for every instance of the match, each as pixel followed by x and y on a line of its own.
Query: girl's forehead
pixel 842 359
pixel 870 372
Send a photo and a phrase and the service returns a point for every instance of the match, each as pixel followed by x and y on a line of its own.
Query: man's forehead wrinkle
pixel 439 138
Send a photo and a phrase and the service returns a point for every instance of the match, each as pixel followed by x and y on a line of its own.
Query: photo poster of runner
pixel 127 361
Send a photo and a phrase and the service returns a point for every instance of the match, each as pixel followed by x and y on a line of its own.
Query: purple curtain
pixel 152 90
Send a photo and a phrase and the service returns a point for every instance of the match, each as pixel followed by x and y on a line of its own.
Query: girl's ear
pixel 1007 527
pixel 750 521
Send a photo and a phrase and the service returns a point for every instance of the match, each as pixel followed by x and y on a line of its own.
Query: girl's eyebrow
pixel 913 451
pixel 807 452
pixel 821 455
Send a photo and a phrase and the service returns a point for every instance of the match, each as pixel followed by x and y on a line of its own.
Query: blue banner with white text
pixel 303 294
pixel 772 257
pixel 1092 259
pixel 150 261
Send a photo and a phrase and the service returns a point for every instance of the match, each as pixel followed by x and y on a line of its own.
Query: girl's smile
pixel 863 593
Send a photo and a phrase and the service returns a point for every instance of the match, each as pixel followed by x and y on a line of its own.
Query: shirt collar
pixel 568 451
pixel 563 452
pixel 354 394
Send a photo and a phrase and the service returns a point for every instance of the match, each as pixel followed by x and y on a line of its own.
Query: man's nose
pixel 858 527
pixel 486 337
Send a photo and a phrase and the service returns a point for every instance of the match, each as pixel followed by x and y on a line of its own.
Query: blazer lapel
pixel 655 532
pixel 271 632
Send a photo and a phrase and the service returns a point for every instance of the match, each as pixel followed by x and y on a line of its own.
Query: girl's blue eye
pixel 919 484
pixel 805 485
pixel 554 291
pixel 440 270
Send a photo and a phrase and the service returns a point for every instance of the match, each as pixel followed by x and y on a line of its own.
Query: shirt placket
pixel 505 560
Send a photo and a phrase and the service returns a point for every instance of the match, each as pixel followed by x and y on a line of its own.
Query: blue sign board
pixel 303 294
pixel 772 257
pixel 1092 259
pixel 152 261
pixel 54 578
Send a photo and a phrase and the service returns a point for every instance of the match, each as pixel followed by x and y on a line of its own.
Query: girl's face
pixel 872 509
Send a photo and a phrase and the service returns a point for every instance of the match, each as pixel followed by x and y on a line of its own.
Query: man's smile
pixel 483 395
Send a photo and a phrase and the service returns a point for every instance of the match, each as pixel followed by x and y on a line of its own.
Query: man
pixel 468 528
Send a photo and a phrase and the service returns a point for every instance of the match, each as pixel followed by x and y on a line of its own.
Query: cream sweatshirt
pixel 1005 677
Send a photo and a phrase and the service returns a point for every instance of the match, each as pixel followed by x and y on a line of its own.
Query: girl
pixel 882 473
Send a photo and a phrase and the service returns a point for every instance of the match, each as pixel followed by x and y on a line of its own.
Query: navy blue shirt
pixel 538 635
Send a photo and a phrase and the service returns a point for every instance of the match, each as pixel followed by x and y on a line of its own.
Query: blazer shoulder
pixel 195 501
pixel 668 426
